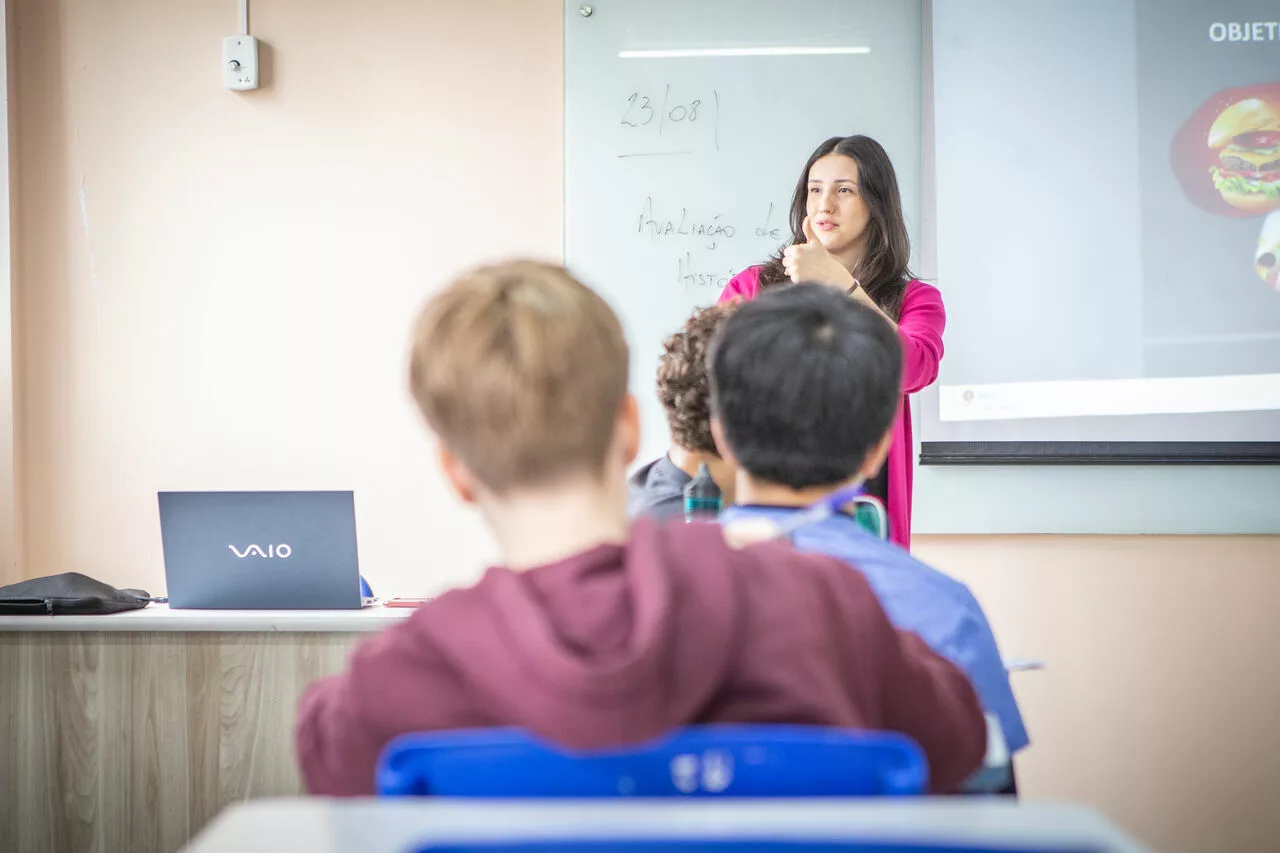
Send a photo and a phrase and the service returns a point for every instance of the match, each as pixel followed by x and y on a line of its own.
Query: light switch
pixel 240 62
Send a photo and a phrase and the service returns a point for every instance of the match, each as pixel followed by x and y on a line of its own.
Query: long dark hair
pixel 884 268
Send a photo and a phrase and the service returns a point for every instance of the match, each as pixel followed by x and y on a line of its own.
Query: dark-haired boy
pixel 804 387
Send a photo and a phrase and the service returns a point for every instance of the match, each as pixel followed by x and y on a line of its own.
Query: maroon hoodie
pixel 622 644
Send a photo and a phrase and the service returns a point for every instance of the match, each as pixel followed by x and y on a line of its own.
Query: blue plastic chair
pixel 700 761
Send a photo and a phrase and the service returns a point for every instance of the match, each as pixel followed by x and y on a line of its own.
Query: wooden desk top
pixel 395 826
pixel 158 617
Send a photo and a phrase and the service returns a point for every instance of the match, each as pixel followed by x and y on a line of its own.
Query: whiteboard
pixel 679 170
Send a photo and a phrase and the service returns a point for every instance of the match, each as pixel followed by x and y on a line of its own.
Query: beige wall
pixel 1159 701
pixel 8 476
pixel 213 290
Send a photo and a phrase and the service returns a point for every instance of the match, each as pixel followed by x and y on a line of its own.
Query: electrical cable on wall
pixel 240 56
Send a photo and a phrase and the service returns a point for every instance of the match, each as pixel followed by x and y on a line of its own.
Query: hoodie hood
pixel 617 644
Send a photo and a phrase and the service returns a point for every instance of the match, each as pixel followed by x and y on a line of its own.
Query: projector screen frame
pixel 1099 453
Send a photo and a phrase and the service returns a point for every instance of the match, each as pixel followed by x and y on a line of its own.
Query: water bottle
pixel 870 515
pixel 702 496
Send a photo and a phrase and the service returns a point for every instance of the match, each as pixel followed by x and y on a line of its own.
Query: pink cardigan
pixel 920 326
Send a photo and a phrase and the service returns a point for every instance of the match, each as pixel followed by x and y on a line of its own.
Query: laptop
pixel 260 550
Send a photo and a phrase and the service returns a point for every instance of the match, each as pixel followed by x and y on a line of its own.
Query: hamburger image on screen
pixel 1246 136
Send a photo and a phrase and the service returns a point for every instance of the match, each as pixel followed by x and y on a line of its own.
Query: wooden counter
pixel 132 731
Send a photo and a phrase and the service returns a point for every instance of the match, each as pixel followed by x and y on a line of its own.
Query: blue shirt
pixel 917 598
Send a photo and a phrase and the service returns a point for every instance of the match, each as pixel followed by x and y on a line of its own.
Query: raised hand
pixel 811 262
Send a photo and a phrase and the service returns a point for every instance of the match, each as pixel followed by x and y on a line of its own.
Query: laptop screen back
pixel 260 550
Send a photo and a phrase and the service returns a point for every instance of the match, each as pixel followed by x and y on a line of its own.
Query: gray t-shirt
pixel 657 490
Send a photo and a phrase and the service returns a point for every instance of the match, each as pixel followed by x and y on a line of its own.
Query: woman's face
pixel 837 212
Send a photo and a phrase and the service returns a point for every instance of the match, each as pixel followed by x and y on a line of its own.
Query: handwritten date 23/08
pixel 641 109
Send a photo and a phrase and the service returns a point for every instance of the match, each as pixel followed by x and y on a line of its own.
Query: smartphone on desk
pixel 405 602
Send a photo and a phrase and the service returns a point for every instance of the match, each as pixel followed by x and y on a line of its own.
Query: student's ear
pixel 876 457
pixel 628 435
pixel 723 450
pixel 459 476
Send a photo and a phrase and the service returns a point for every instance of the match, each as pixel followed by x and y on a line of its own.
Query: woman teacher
pixel 848 232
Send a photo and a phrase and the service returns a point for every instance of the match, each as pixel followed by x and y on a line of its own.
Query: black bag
pixel 70 592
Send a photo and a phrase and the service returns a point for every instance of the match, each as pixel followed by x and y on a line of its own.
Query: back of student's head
pixel 683 386
pixel 521 370
pixel 805 384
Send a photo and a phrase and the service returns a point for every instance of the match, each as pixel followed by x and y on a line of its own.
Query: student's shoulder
pixel 889 560
pixel 939 580
pixel 974 615
pixel 414 646
pixel 967 611
pixel 772 557
pixel 779 565
pixel 656 490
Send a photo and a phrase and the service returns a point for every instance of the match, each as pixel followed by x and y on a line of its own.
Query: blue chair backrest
pixel 714 760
